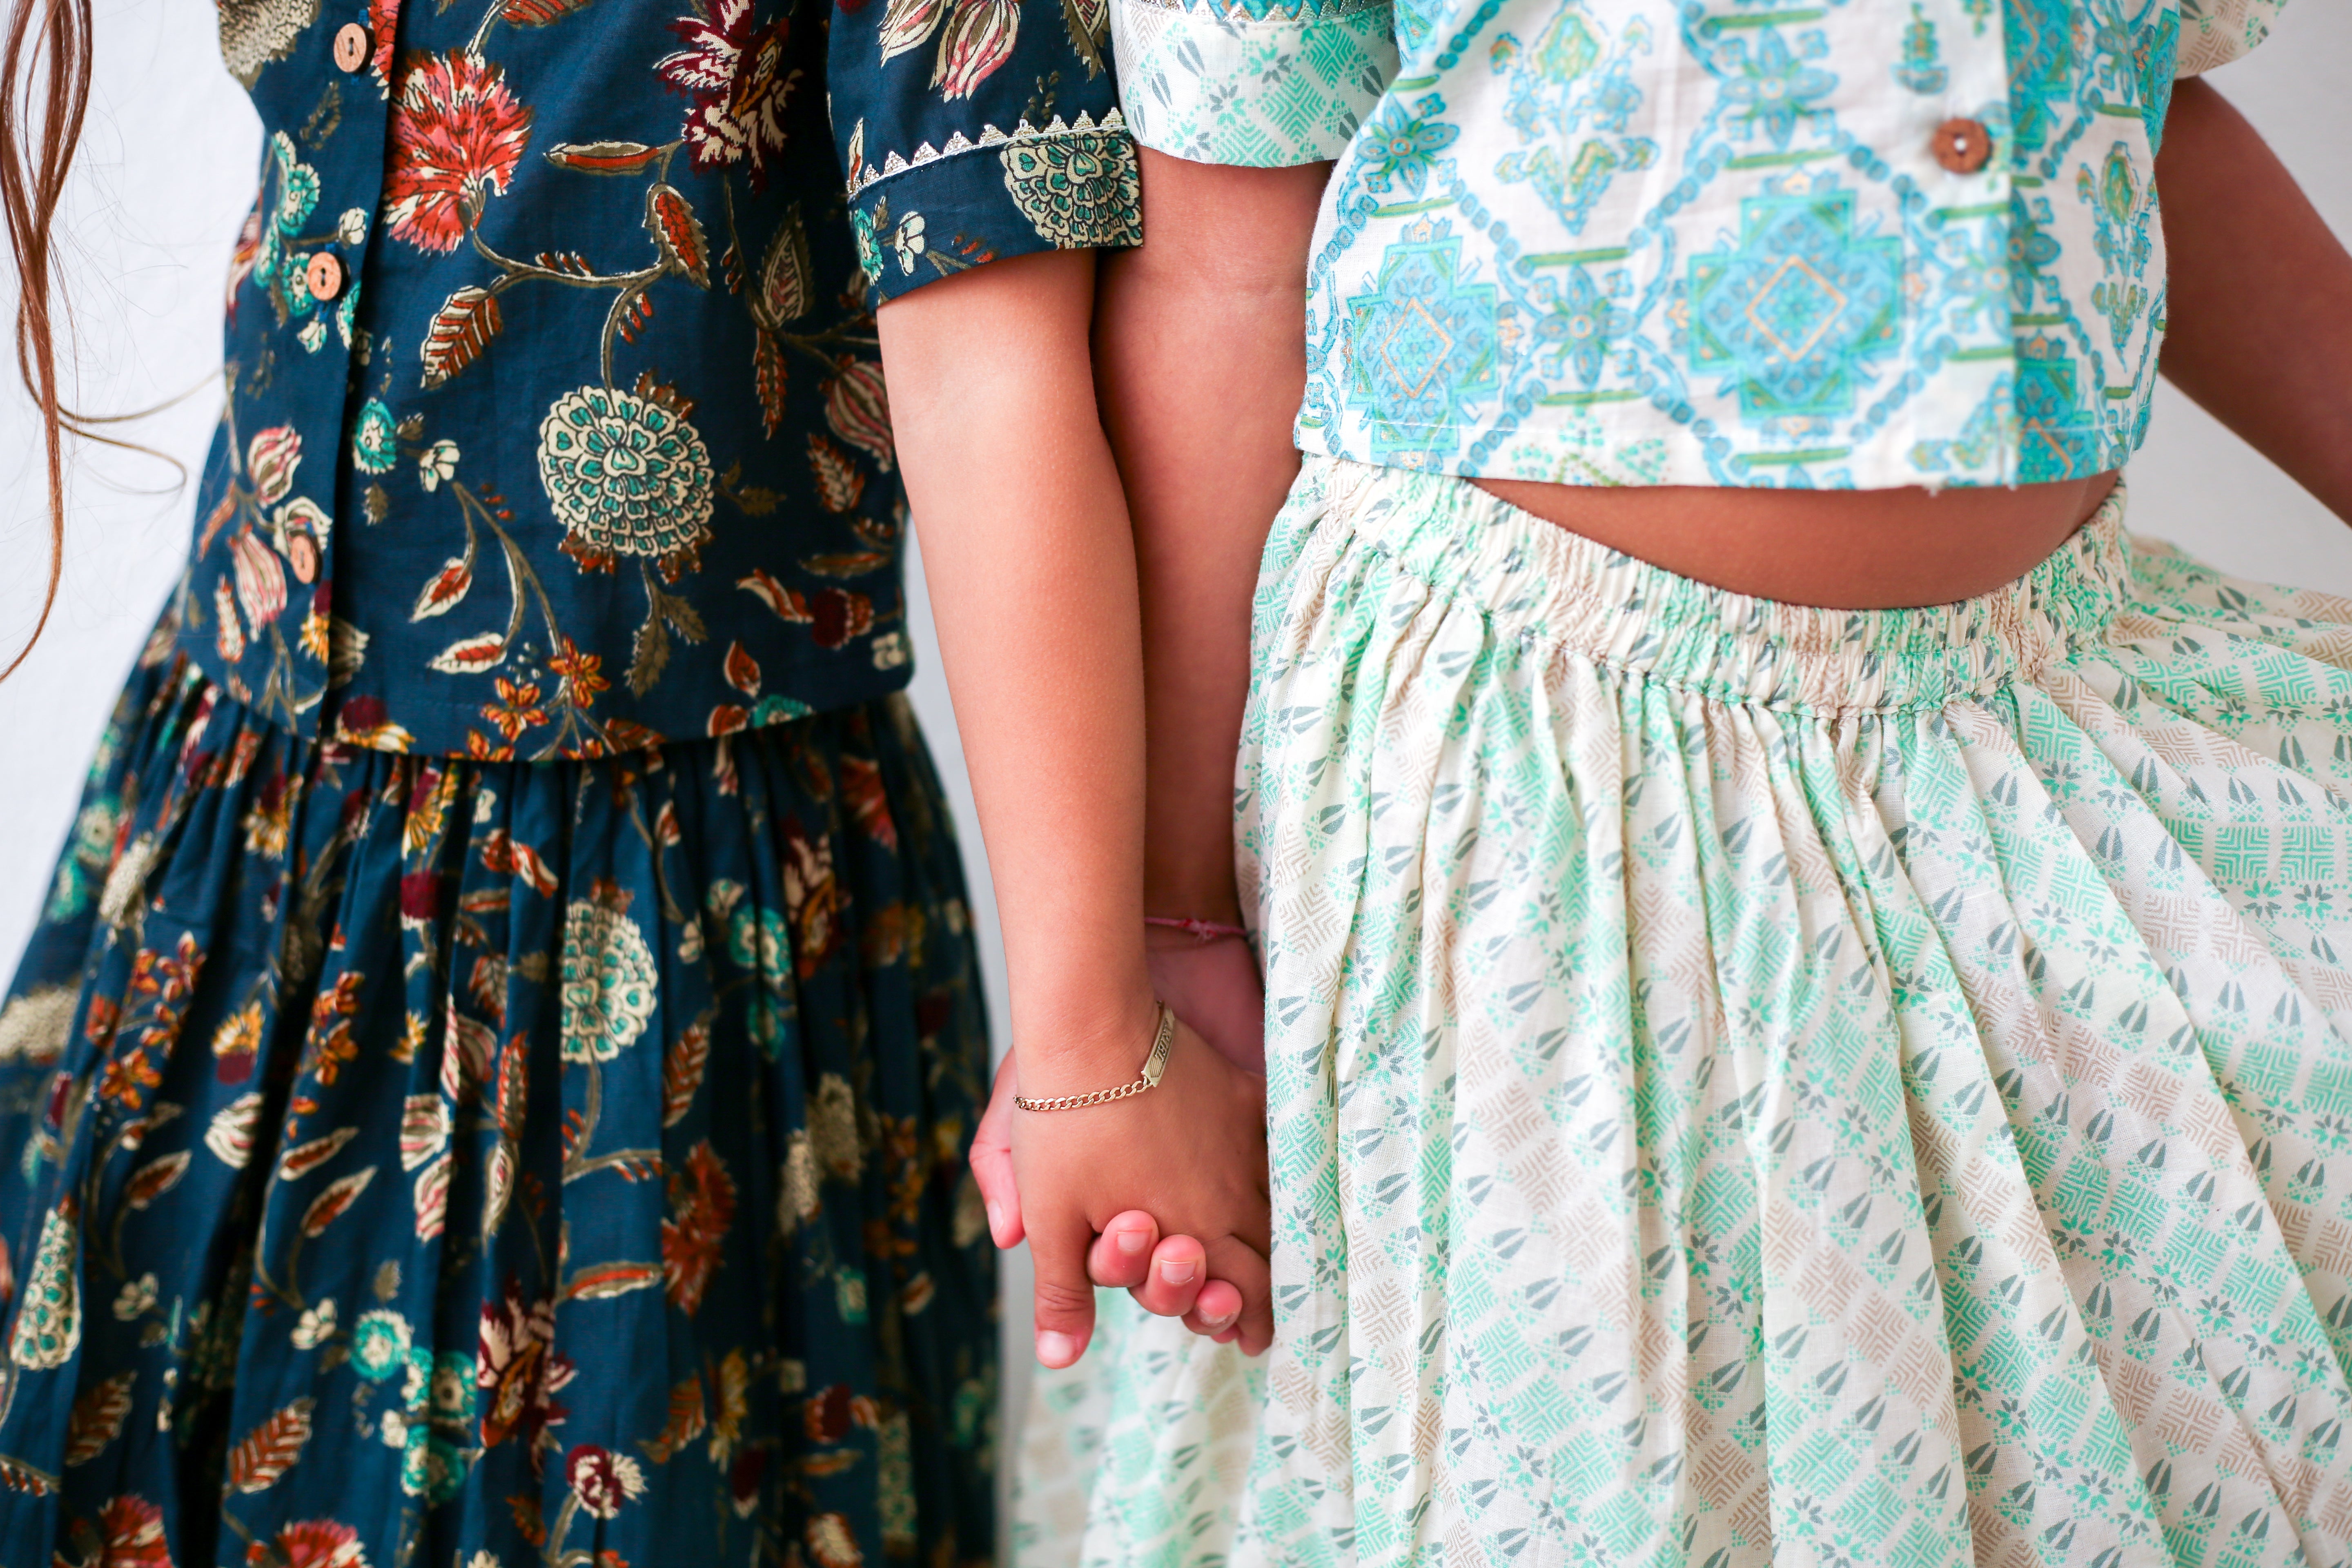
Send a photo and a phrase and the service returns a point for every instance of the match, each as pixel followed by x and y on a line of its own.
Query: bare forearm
pixel 2260 297
pixel 1031 565
pixel 1200 351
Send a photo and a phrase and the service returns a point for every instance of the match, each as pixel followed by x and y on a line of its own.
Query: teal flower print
pixel 627 476
pixel 380 1343
pixel 375 441
pixel 1400 142
pixel 1770 86
pixel 609 978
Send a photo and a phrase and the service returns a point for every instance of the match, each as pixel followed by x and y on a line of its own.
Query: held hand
pixel 1165 1276
pixel 1190 1151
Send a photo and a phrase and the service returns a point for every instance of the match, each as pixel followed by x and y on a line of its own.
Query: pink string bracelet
pixel 1200 931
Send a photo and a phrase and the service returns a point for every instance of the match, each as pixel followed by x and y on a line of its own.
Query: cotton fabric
pixel 1707 243
pixel 1752 1084
pixel 592 448
pixel 415 1160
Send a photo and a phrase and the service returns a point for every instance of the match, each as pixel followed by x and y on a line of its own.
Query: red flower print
pixel 363 713
pixel 839 615
pixel 602 1479
pixel 310 1544
pixel 271 459
pixel 455 129
pixel 383 18
pixel 130 1535
pixel 812 897
pixel 261 579
pixel 735 74
pixel 978 39
pixel 858 408
pixel 420 899
pixel 579 676
pixel 702 1205
pixel 518 1372
pixel 743 1480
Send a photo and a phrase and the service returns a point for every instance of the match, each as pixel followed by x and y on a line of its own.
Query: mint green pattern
pixel 1755 1085
pixel 1707 242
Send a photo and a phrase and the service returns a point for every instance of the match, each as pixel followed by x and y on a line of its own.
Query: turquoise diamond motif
pixel 1795 315
pixel 1423 345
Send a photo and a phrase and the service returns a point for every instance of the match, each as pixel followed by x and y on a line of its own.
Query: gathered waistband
pixel 1541 585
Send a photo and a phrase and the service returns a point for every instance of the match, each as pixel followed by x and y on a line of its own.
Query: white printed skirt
pixel 1753 1084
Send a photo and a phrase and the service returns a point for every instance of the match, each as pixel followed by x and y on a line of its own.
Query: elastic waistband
pixel 1541 585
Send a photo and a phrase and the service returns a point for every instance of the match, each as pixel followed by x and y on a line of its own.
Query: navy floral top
pixel 555 424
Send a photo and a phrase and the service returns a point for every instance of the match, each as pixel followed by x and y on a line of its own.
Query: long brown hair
pixel 50 39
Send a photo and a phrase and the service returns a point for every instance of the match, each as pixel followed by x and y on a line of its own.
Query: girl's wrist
pixel 1074 1044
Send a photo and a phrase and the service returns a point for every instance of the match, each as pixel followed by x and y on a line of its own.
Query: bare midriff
pixel 1844 549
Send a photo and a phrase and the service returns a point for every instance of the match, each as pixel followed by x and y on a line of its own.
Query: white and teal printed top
pixel 1707 242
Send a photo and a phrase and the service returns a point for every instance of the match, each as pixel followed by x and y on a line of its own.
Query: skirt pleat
pixel 431 1161
pixel 1756 1085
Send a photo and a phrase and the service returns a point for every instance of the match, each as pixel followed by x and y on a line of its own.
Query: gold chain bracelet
pixel 1153 1065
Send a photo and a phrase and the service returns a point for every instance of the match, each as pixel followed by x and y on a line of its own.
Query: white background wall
pixel 168 170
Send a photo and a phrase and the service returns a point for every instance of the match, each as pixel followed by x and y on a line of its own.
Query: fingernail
pixel 1133 1241
pixel 1178 1270
pixel 1218 1325
pixel 1055 1349
pixel 995 1219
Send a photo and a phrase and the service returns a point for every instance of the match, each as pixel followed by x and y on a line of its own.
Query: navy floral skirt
pixel 412 1159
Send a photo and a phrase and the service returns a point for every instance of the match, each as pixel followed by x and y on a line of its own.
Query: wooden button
pixel 325 277
pixel 1962 145
pixel 352 46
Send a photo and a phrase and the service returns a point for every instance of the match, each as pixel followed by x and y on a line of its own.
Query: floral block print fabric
pixel 1760 1085
pixel 426 1163
pixel 1707 242
pixel 555 422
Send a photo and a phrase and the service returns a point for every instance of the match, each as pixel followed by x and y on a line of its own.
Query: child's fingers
pixel 991 1160
pixel 1216 1311
pixel 1065 1298
pixel 1179 1266
pixel 1233 1260
pixel 1121 1255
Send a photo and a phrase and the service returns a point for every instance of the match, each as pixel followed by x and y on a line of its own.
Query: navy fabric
pixel 428 1161
pixel 587 445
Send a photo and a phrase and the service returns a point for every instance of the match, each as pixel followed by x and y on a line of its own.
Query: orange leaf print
pixel 460 330
pixel 777 597
pixel 514 1084
pixel 601 1281
pixel 670 219
pixel 155 1179
pixel 685 1422
pixel 468 656
pixel 727 718
pixel 304 1158
pixel 682 1071
pixel 742 671
pixel 448 586
pixel 769 380
pixel 602 157
pixel 270 1449
pixel 97 1419
pixel 329 1205
pixel 839 481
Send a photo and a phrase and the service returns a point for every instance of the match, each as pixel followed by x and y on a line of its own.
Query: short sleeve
pixel 2215 32
pixel 972 131
pixel 1252 83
